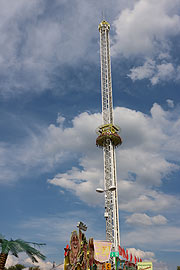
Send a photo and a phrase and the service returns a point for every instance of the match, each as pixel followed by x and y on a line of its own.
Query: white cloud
pixel 144 219
pixel 159 219
pixel 81 182
pixel 33 42
pixel 143 160
pixel 38 40
pixel 60 119
pixel 148 256
pixel 35 45
pixel 147 200
pixel 11 260
pixel 145 28
pixel 170 103
pixel 156 237
pixel 141 254
pixel 143 72
pixel 26 261
pixel 165 72
pixel 13 18
pixel 156 72
pixel 47 147
pixel 42 264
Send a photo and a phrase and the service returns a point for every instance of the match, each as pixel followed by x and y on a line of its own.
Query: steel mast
pixel 108 139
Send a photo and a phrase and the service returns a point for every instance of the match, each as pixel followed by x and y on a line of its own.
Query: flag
pixel 127 256
pixel 135 259
pixel 120 251
pixel 131 258
pixel 123 253
pixel 66 250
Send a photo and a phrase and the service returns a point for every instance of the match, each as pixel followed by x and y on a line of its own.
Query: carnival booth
pixel 83 254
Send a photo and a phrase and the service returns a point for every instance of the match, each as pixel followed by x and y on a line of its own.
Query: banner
pixel 144 266
pixel 102 251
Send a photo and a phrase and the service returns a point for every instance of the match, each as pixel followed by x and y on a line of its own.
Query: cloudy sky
pixel 50 107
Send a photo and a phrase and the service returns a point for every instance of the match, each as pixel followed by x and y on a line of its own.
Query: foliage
pixel 15 247
pixel 34 268
pixel 16 267
pixel 18 245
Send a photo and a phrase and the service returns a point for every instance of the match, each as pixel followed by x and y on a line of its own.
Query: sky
pixel 50 108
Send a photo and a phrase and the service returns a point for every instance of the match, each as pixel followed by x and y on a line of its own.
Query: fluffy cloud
pixel 170 103
pixel 36 47
pixel 39 41
pixel 156 72
pixel 148 256
pixel 143 219
pixel 11 260
pixel 143 72
pixel 82 183
pixel 141 254
pixel 157 237
pixel 133 197
pixel 143 162
pixel 34 42
pixel 147 200
pixel 54 145
pixel 43 265
pixel 145 28
pixel 149 143
pixel 14 33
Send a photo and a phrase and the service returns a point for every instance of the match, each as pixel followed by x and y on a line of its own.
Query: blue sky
pixel 50 107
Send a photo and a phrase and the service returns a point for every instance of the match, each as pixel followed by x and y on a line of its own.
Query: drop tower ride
pixel 108 138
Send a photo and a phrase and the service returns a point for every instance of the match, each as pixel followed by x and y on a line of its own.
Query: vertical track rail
pixel 111 197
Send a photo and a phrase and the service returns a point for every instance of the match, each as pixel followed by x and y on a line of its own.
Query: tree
pixel 16 246
pixel 16 267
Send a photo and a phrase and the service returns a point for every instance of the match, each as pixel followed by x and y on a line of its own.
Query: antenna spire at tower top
pixel 103 15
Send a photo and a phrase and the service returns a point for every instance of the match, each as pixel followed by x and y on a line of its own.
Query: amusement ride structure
pixel 108 139
pixel 82 254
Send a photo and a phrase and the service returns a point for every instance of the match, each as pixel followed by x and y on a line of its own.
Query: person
pixel 70 260
pixel 74 243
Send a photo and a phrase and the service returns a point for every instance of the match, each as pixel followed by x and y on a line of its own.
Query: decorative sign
pixel 145 266
pixel 76 254
pixel 108 266
pixel 114 254
pixel 102 251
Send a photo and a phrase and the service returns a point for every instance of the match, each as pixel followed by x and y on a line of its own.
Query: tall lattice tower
pixel 108 139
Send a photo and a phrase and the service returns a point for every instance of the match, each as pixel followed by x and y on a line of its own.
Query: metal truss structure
pixel 108 138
